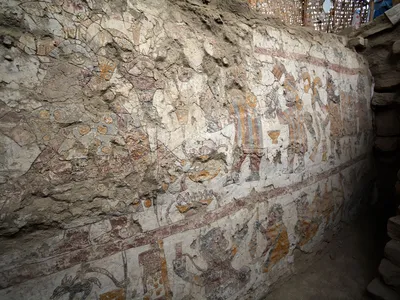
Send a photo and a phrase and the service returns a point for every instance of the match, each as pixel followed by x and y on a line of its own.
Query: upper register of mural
pixel 167 150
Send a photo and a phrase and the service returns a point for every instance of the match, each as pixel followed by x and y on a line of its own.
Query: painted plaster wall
pixel 162 150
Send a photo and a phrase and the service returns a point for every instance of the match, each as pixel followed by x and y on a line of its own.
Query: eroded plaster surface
pixel 163 150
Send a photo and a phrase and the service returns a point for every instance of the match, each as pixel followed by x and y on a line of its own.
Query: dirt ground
pixel 344 268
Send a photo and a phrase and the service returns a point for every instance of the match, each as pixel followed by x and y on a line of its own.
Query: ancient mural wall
pixel 158 150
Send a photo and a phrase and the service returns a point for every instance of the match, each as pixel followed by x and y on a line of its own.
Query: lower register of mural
pixel 157 157
pixel 232 257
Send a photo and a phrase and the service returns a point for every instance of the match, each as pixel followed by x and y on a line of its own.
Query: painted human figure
pixel 313 86
pixel 277 237
pixel 349 121
pixel 248 134
pixel 220 280
pixel 334 117
pixel 364 123
pixel 311 215
pixel 329 204
pixel 294 117
pixel 307 225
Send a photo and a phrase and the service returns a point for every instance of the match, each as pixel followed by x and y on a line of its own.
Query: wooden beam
pixel 304 12
pixel 352 13
pixel 371 10
pixel 329 20
pixel 393 14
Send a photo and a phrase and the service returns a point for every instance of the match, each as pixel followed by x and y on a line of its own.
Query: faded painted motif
pixel 86 277
pixel 221 280
pixel 154 274
pixel 320 213
pixel 274 230
pixel 334 118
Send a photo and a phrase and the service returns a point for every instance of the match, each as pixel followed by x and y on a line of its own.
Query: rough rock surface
pixel 381 291
pixel 387 144
pixel 396 47
pixel 390 273
pixel 381 52
pixel 393 228
pixel 385 99
pixel 387 122
pixel 159 148
pixel 392 252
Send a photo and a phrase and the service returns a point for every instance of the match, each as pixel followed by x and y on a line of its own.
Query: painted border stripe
pixel 309 59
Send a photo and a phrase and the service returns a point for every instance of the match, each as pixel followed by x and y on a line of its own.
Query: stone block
pixel 390 273
pixel 387 123
pixel 384 99
pixel 386 144
pixel 383 64
pixel 393 228
pixel 396 47
pixel 387 78
pixel 381 23
pixel 358 42
pixel 380 291
pixel 393 14
pixel 392 252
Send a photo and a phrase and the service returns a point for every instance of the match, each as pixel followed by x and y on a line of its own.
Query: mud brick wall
pixel 383 54
pixel 170 150
pixel 382 51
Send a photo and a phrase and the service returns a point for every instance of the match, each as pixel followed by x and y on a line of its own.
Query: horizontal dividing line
pixel 309 59
pixel 64 261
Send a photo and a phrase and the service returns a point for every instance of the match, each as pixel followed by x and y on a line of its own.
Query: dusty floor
pixel 343 269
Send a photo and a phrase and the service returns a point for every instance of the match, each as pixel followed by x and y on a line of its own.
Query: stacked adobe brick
pixel 386 286
pixel 379 41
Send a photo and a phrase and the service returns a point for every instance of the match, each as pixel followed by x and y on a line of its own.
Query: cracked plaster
pixel 157 131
